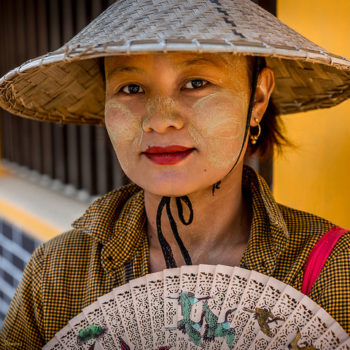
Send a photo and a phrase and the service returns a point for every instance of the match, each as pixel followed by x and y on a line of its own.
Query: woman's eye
pixel 132 89
pixel 196 84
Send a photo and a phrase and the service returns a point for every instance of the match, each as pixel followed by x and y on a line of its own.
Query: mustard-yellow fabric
pixel 108 245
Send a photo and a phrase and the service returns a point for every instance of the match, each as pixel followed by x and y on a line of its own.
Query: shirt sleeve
pixel 22 328
pixel 332 288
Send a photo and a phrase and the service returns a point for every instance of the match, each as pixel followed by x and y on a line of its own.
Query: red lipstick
pixel 168 155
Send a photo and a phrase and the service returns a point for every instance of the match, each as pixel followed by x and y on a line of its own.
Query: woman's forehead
pixel 178 60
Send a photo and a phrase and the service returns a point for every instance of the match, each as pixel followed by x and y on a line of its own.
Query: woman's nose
pixel 162 114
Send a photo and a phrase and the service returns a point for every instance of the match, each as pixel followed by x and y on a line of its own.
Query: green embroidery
pixel 90 332
pixel 213 329
pixel 186 325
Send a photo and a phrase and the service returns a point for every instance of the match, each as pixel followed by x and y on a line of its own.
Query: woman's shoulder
pixel 68 242
pixel 96 224
pixel 302 222
pixel 67 250
pixel 305 229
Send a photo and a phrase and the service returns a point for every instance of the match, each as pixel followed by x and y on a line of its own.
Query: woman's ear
pixel 264 88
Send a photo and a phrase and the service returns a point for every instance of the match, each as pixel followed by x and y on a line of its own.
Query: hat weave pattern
pixel 67 85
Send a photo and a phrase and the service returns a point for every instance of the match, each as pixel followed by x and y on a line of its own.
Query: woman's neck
pixel 220 228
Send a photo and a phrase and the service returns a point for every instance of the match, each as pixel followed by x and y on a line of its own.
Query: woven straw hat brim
pixel 67 85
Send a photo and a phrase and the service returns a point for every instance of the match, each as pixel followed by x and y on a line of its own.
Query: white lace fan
pixel 202 307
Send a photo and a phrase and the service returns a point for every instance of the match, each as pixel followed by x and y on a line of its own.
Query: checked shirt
pixel 108 246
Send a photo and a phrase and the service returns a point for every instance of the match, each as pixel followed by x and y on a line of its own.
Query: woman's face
pixel 176 120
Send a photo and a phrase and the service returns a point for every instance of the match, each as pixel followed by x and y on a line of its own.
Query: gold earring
pixel 254 138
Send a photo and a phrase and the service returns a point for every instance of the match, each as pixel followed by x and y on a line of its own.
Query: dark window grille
pixel 81 156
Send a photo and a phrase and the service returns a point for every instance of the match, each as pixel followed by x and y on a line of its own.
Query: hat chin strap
pixel 166 249
pixel 165 201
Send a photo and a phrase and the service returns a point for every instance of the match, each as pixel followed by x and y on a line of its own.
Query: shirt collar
pixel 268 232
pixel 117 220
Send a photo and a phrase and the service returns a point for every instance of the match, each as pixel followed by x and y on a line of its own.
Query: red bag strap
pixel 318 256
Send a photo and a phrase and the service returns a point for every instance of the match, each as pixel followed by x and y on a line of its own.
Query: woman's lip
pixel 170 157
pixel 167 149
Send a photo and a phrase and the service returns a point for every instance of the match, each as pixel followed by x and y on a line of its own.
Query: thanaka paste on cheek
pixel 218 124
pixel 124 129
pixel 121 121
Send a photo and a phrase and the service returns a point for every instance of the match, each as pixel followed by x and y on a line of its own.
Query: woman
pixel 181 111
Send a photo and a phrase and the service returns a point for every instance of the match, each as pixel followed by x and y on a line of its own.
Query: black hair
pixel 272 135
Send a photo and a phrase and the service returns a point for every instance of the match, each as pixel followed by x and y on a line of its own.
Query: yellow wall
pixel 316 176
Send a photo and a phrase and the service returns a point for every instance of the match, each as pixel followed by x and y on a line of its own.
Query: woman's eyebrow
pixel 203 60
pixel 126 69
pixel 184 64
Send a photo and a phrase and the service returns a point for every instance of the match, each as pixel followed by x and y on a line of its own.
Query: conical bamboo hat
pixel 67 85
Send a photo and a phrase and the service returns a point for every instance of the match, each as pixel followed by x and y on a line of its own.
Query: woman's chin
pixel 175 189
pixel 174 184
pixel 168 191
pixel 167 188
